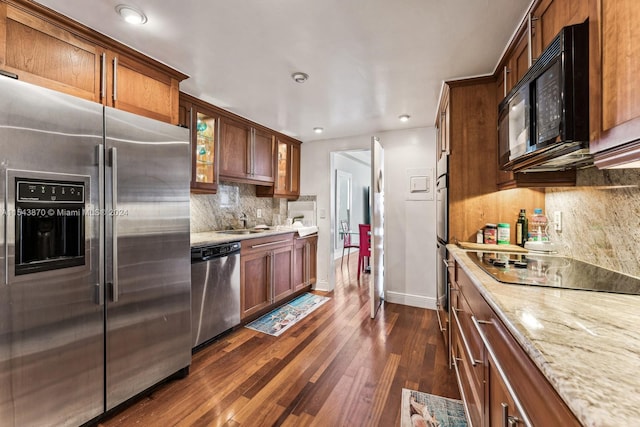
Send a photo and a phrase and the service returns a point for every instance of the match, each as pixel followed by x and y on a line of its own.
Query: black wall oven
pixel 442 234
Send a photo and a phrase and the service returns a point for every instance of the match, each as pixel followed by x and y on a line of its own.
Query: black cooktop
pixel 553 271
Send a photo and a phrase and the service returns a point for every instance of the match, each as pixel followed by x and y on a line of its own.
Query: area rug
pixel 422 409
pixel 282 318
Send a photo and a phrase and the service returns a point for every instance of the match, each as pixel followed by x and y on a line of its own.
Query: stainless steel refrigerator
pixel 94 256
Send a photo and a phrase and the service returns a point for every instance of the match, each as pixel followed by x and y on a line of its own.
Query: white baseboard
pixel 322 285
pixel 410 300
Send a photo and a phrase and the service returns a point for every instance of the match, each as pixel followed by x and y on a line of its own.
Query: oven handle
pixel 114 224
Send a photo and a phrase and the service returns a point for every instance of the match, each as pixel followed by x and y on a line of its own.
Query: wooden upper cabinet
pixel 287 180
pixel 203 122
pixel 140 89
pixel 45 48
pixel 234 149
pixel 615 92
pixel 519 60
pixel 263 156
pixel 246 154
pixel 549 16
pixel 48 55
pixel 443 124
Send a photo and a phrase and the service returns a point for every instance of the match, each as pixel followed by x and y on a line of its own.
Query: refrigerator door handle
pixel 99 298
pixel 114 224
pixel 115 79
pixel 5 214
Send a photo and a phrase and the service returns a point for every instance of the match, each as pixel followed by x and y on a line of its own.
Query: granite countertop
pixel 215 237
pixel 586 343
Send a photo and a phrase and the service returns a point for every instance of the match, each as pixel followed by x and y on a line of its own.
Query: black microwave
pixel 543 123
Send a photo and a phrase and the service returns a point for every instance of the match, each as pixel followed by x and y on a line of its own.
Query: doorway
pixel 350 191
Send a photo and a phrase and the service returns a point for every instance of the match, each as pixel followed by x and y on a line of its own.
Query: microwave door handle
pixel 114 224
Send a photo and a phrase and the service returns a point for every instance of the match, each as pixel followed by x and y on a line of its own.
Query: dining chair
pixel 365 246
pixel 346 241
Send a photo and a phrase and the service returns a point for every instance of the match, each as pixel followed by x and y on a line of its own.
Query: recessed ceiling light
pixel 318 130
pixel 404 117
pixel 131 14
pixel 300 77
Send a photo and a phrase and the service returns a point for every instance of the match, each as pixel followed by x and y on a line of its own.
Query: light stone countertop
pixel 215 237
pixel 586 343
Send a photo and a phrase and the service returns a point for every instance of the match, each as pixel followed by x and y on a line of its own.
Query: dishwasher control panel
pixel 204 253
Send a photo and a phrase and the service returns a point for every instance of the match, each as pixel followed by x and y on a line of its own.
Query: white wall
pixel 410 234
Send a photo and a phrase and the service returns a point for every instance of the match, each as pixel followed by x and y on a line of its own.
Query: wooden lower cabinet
pixel 266 272
pixel 282 265
pixel 313 259
pixel 499 383
pixel 304 261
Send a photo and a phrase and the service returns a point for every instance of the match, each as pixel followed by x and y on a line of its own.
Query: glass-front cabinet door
pixel 204 145
pixel 283 167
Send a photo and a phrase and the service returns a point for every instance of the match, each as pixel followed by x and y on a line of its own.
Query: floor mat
pixel 420 409
pixel 282 318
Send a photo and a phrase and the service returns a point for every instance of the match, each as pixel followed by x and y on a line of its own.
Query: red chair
pixel 346 242
pixel 365 246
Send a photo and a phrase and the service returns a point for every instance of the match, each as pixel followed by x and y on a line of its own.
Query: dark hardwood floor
pixel 336 367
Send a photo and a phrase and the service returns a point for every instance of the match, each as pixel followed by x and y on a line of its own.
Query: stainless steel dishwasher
pixel 215 290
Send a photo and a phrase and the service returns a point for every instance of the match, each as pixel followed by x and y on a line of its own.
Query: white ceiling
pixel 369 61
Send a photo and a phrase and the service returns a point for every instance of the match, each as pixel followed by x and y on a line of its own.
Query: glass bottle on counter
pixel 522 228
pixel 539 224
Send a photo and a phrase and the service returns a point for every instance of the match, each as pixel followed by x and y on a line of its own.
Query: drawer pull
pixel 442 329
pixel 455 361
pixel 262 245
pixel 505 380
pixel 508 420
pixel 467 348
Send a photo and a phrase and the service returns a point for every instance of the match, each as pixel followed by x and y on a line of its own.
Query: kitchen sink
pixel 241 231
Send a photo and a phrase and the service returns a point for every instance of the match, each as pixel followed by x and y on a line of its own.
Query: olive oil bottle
pixel 522 228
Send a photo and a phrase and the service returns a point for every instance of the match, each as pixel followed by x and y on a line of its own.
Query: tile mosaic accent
pixel 600 218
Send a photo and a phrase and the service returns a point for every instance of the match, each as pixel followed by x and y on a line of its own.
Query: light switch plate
pixel 557 220
pixel 419 184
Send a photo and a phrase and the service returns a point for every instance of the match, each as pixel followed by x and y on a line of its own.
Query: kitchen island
pixel 586 344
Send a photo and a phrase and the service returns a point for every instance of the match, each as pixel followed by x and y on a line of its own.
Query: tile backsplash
pixel 223 210
pixel 600 218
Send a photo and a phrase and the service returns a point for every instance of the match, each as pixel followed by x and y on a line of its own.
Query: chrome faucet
pixel 244 219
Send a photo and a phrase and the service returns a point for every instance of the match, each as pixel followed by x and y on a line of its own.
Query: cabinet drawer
pixel 266 243
pixel 472 396
pixel 477 304
pixel 539 400
pixel 468 339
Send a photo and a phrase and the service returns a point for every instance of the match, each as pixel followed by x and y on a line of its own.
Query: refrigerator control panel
pixel 46 191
